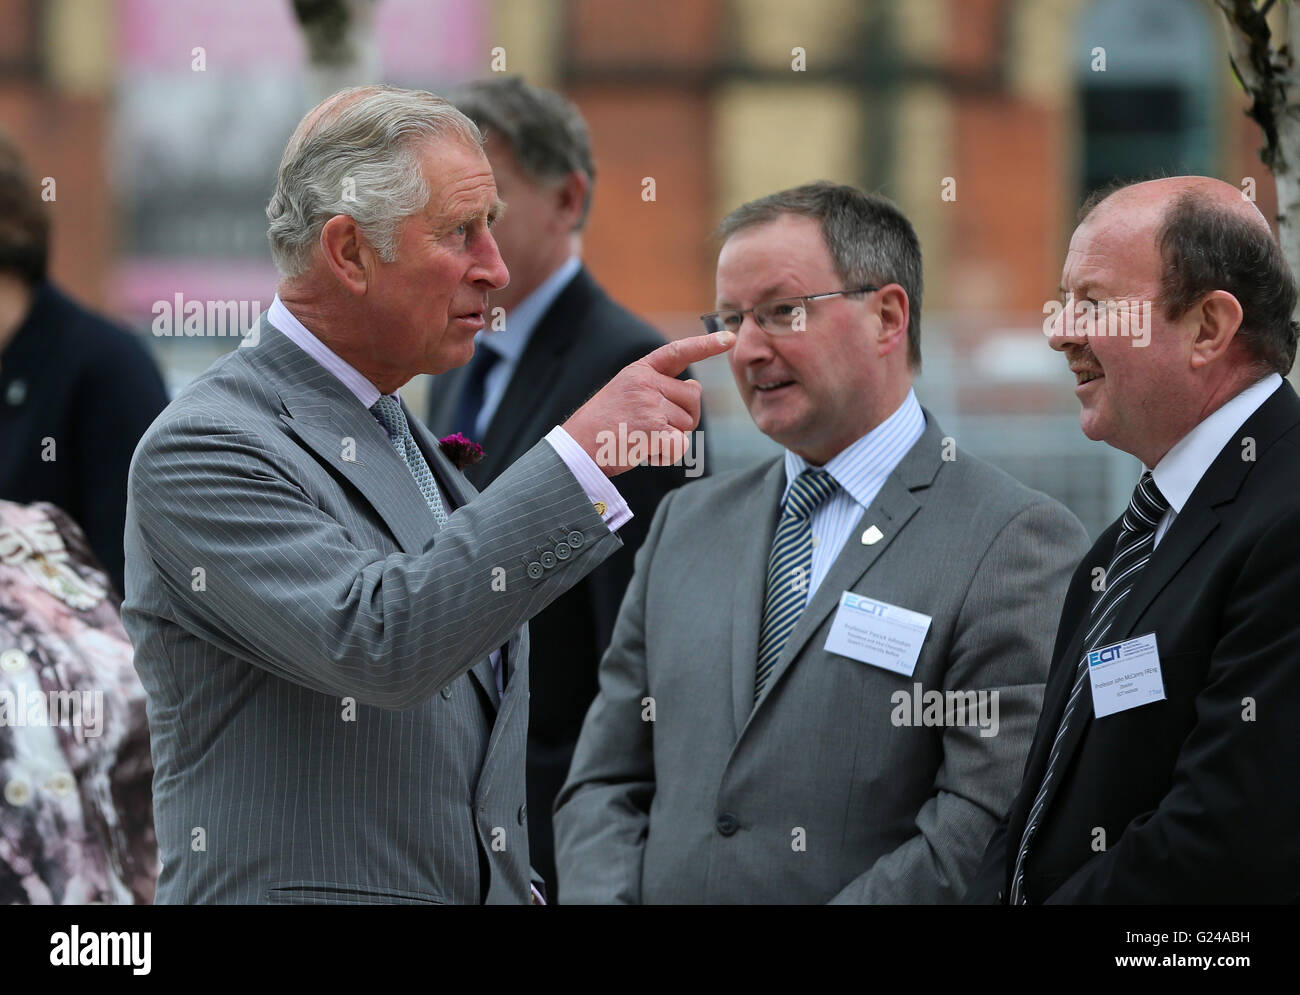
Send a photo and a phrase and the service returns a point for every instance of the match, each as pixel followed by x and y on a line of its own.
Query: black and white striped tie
pixel 1132 550
pixel 789 568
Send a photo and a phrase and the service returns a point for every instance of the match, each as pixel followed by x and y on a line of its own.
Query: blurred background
pixel 161 123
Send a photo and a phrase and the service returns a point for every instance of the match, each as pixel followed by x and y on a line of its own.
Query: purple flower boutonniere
pixel 460 450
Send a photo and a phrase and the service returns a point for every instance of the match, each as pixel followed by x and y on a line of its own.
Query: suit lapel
pixel 1190 529
pixel 1065 667
pixel 1055 696
pixel 541 365
pixel 753 526
pixel 501 727
pixel 324 415
pixel 520 402
pixel 890 512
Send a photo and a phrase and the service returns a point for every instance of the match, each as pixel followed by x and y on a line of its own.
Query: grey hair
pixel 357 153
pixel 870 240
pixel 544 130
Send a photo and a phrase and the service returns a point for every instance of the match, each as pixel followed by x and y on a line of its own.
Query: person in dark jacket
pixel 554 338
pixel 76 391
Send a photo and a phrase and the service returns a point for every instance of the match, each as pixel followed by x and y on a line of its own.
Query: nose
pixel 1064 330
pixel 756 347
pixel 489 269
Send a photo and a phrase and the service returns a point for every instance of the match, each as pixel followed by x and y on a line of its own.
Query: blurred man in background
pixel 562 338
pixel 1163 769
pixel 827 670
pixel 76 392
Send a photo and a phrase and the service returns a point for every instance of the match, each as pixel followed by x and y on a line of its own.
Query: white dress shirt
pixel 860 471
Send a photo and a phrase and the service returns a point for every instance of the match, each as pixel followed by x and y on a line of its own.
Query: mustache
pixel 1081 356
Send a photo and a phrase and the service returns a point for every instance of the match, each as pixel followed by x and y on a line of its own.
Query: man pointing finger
pixel 329 620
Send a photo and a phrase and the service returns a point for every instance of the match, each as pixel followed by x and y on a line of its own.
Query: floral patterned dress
pixel 76 811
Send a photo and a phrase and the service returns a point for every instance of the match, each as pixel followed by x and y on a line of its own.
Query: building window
pixel 1145 71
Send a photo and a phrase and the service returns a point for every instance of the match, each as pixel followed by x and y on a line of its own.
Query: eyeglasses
pixel 780 317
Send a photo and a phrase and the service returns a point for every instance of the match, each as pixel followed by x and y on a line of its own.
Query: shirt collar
pixel 1182 468
pixel 860 468
pixel 283 320
pixel 523 318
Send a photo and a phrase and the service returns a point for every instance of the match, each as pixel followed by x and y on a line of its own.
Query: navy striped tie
pixel 1132 550
pixel 788 568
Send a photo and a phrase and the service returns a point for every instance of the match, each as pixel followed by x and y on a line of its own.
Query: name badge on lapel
pixel 878 633
pixel 1125 675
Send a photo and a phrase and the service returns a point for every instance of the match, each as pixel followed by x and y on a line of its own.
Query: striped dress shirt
pixel 860 471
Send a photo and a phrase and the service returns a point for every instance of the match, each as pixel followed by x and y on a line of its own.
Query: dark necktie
pixel 470 402
pixel 789 566
pixel 1132 550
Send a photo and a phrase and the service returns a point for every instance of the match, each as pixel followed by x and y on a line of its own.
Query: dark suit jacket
pixel 578 346
pixel 71 376
pixel 1196 795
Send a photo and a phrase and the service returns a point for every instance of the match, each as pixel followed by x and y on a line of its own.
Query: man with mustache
pixel 1163 767
pixel 825 672
pixel 329 620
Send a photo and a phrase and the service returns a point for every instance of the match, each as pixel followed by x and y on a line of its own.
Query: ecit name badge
pixel 878 633
pixel 1125 675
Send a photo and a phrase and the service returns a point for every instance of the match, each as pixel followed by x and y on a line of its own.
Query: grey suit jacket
pixel 816 793
pixel 326 725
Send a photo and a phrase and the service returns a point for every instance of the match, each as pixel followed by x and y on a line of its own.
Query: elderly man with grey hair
pixel 329 620
pixel 556 338
pixel 860 628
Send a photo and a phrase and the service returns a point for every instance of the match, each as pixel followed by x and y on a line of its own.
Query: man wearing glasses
pixel 827 670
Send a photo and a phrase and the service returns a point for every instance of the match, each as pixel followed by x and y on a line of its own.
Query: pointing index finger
pixel 673 358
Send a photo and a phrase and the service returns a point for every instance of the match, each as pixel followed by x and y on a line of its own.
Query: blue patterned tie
pixel 788 569
pixel 388 409
pixel 1132 550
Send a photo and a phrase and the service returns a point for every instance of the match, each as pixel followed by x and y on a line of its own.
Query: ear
pixel 895 310
pixel 571 197
pixel 347 254
pixel 1217 318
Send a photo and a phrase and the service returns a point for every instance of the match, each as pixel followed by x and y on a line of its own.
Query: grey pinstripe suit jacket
pixel 326 726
